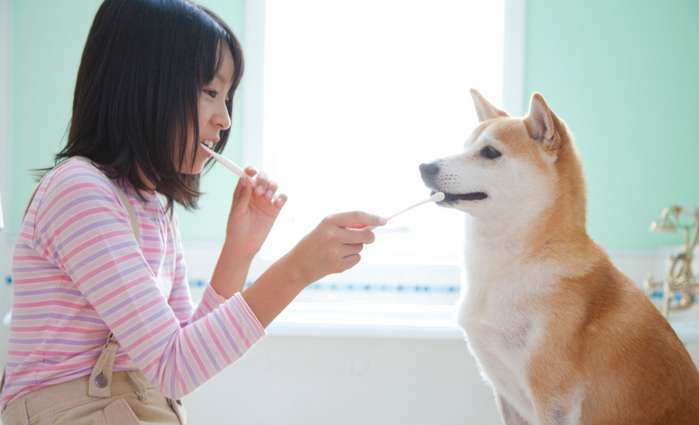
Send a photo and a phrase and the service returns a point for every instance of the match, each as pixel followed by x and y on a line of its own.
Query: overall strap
pixel 124 201
pixel 129 209
pixel 101 375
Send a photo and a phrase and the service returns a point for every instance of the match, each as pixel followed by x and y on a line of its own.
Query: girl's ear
pixel 484 109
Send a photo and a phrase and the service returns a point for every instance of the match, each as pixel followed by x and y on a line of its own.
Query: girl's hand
pixel 333 246
pixel 254 209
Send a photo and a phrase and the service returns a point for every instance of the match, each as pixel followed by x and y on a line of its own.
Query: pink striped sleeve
pixel 84 230
pixel 180 299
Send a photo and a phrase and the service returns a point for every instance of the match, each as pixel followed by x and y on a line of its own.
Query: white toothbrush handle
pixel 438 196
pixel 235 169
pixel 408 209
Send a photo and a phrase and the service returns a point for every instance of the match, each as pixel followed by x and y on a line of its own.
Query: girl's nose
pixel 222 120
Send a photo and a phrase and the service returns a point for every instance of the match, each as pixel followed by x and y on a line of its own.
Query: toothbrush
pixel 436 197
pixel 233 167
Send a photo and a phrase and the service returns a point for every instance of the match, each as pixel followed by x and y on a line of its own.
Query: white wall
pixel 307 380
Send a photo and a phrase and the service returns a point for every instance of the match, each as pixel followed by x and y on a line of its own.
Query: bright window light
pixel 358 93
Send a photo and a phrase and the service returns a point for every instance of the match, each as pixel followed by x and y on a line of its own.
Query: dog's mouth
pixel 470 196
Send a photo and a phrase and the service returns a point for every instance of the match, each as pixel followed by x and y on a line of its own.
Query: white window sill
pixel 419 321
pixel 329 319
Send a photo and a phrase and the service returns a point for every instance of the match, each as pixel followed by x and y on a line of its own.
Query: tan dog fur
pixel 562 336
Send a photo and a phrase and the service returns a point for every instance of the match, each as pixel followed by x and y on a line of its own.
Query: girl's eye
pixel 214 93
pixel 490 152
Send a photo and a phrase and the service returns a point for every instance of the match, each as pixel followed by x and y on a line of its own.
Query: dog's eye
pixel 490 152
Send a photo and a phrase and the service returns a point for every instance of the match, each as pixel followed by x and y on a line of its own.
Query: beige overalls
pixel 104 398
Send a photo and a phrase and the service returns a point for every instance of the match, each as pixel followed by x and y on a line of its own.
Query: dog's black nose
pixel 429 170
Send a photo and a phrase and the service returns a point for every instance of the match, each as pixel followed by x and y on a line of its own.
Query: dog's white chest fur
pixel 502 330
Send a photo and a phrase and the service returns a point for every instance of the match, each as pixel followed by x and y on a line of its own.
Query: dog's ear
pixel 484 109
pixel 541 124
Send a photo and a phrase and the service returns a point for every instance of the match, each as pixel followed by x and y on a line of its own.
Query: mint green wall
pixel 47 38
pixel 623 74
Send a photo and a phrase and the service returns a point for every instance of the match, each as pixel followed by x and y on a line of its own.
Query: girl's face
pixel 213 114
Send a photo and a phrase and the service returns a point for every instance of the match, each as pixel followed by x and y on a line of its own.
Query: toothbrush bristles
pixel 438 197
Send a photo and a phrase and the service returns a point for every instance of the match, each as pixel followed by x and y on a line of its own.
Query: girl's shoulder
pixel 73 177
pixel 71 188
pixel 75 171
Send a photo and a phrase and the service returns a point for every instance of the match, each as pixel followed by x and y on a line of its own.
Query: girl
pixel 103 325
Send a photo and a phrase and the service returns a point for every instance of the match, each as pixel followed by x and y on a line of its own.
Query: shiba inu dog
pixel 561 335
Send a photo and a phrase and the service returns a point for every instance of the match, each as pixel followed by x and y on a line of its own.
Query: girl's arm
pixel 81 226
pixel 180 297
pixel 230 272
pixel 332 247
pixel 254 208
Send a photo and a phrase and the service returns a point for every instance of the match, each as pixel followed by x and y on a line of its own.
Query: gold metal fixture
pixel 680 288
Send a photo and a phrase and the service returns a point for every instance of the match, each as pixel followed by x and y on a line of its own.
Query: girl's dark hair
pixel 143 68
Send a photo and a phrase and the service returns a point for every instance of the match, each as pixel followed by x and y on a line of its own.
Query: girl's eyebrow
pixel 221 78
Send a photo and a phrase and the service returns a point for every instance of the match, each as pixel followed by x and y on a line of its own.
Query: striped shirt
pixel 79 274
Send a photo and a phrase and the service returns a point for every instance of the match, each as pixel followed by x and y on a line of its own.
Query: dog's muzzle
pixel 429 173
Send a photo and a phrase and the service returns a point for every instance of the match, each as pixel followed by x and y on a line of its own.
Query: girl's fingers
pixel 356 236
pixel 356 219
pixel 261 184
pixel 239 187
pixel 350 261
pixel 271 189
pixel 352 249
pixel 243 192
pixel 280 200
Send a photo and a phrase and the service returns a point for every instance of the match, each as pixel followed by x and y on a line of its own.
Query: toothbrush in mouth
pixel 230 165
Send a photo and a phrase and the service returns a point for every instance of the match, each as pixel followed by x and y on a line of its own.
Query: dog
pixel 559 333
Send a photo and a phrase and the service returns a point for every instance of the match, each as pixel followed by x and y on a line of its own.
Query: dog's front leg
pixel 510 416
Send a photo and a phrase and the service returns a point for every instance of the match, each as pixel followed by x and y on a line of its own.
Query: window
pixel 345 98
